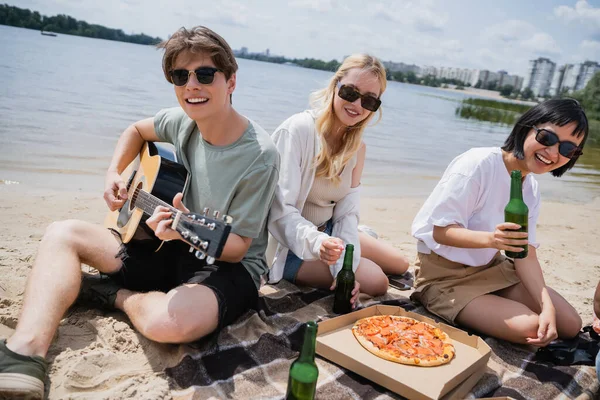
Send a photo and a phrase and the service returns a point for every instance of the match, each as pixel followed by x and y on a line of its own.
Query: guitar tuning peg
pixel 227 219
pixel 210 260
pixel 195 239
pixel 185 234
pixel 191 250
pixel 205 211
pixel 216 214
pixel 200 255
pixel 192 217
pixel 204 244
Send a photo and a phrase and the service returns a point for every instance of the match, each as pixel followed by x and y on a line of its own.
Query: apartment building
pixel 540 75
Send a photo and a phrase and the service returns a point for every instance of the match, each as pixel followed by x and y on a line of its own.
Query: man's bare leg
pixel 55 280
pixel 182 315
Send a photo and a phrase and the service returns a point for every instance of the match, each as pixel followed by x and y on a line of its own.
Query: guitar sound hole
pixel 135 195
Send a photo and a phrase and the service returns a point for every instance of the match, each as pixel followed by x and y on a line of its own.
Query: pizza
pixel 404 340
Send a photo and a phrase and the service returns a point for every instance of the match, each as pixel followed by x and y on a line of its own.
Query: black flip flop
pixel 581 350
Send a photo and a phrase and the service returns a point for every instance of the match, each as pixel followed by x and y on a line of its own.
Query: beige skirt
pixel 445 287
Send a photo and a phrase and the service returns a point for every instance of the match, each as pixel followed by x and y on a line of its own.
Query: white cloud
pixel 508 45
pixel 509 31
pixel 541 43
pixel 591 45
pixel 419 15
pixel 315 5
pixel 230 13
pixel 588 50
pixel 583 13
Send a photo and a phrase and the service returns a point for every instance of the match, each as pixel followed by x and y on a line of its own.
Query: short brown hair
pixel 199 39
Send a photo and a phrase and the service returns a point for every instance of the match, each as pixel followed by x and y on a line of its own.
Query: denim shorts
pixel 598 365
pixel 293 262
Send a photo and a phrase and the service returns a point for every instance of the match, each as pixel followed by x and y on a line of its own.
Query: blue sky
pixel 495 35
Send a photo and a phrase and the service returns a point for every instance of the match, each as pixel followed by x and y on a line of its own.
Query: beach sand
pixel 97 355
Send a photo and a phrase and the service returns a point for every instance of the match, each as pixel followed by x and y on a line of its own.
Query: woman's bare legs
pixel 387 257
pixel 515 316
pixel 371 278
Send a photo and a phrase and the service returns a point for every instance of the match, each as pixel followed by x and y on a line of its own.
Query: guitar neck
pixel 206 235
pixel 148 203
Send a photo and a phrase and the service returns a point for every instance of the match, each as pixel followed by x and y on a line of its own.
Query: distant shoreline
pixel 64 24
pixel 488 94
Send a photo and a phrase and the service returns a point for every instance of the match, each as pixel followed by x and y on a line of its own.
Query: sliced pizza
pixel 404 340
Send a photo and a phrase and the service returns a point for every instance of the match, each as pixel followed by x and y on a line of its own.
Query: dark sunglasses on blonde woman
pixel 204 75
pixel 350 94
pixel 548 138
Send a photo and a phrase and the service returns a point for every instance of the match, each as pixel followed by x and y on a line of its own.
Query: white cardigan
pixel 298 144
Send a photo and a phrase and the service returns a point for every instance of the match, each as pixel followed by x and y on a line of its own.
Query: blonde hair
pixel 327 163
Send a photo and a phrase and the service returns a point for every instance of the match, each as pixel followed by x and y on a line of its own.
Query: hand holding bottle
pixel 506 237
pixel 346 289
pixel 355 292
pixel 516 213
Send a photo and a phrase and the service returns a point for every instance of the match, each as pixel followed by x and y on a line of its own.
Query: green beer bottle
pixel 344 284
pixel 302 382
pixel 516 210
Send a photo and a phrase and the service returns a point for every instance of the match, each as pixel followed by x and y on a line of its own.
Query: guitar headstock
pixel 205 235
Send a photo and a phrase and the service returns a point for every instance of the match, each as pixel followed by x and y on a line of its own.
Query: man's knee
pixel 165 327
pixel 177 321
pixel 64 232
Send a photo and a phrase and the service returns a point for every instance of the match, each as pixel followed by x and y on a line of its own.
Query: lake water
pixel 65 100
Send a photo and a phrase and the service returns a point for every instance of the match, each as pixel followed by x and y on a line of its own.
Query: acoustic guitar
pixel 155 177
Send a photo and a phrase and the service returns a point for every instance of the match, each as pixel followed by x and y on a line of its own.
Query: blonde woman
pixel 316 209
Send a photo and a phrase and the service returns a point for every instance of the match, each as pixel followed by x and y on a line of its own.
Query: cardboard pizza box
pixel 336 343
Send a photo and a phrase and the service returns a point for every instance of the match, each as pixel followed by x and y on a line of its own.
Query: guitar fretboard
pixel 147 202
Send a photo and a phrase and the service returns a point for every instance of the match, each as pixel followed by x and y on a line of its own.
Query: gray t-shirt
pixel 238 179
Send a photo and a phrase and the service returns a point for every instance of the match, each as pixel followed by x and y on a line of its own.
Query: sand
pixel 97 355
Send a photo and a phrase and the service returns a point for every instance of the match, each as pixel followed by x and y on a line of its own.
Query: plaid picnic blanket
pixel 251 358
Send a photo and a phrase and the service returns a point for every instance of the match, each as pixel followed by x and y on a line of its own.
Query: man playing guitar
pixel 167 292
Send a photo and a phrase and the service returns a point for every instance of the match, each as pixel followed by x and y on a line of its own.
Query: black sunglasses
pixel 204 75
pixel 549 138
pixel 367 101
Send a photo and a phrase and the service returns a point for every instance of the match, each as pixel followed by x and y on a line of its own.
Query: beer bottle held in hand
pixel 516 210
pixel 344 284
pixel 302 382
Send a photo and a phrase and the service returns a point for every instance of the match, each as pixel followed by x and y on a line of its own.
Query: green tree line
pixel 589 97
pixel 302 62
pixel 508 113
pixel 25 18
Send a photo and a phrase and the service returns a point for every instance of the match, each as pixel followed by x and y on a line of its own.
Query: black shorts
pixel 144 269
